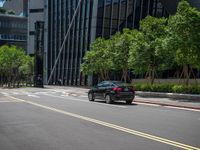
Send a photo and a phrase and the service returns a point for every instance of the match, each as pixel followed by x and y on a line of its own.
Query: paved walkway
pixel 191 101
pixel 169 102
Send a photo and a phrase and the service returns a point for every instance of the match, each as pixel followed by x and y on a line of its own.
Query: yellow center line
pixel 113 126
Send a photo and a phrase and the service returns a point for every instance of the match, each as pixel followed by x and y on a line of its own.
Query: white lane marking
pixel 83 96
pixel 15 93
pixel 30 95
pixel 25 93
pixel 188 109
pixel 5 93
pixel 40 93
pixel 155 105
pixel 85 101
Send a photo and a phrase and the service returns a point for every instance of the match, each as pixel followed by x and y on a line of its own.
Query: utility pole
pixel 39 54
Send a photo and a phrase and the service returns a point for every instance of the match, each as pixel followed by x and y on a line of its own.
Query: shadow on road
pixel 116 103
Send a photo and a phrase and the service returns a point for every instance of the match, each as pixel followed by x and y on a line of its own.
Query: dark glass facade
pixel 95 18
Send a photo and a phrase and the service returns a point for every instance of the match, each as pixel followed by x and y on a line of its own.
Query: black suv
pixel 112 91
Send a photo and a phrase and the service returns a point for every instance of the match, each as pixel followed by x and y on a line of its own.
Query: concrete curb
pixel 169 95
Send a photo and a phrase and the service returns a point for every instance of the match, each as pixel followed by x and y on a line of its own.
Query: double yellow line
pixel 113 126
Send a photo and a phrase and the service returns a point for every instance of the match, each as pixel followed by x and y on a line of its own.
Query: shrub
pixel 179 89
pixel 174 88
pixel 11 12
pixel 161 87
pixel 2 10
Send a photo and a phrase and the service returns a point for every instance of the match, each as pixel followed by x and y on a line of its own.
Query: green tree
pixel 11 12
pixel 11 59
pixel 137 61
pixel 2 10
pixel 26 70
pixel 97 60
pixel 147 54
pixel 184 38
pixel 120 47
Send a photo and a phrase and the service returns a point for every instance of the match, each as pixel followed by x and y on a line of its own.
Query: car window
pixel 113 85
pixel 100 84
pixel 104 84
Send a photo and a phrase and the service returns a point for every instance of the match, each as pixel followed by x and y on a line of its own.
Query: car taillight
pixel 116 89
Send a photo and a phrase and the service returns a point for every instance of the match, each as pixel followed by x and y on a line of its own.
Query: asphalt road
pixel 57 119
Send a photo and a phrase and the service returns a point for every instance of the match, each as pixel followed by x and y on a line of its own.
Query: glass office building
pixel 13 30
pixel 95 18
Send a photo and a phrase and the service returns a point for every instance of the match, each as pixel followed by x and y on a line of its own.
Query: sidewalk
pixel 189 101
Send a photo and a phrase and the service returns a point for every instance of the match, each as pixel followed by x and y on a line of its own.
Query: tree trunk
pixel 106 76
pixel 186 74
pixel 124 75
pixel 152 75
pixel 1 83
pixel 102 75
pixel 196 82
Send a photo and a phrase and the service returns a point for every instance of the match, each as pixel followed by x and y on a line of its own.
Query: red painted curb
pixel 165 104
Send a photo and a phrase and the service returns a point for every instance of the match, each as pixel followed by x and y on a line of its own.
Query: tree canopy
pixel 159 44
pixel 2 10
pixel 120 47
pixel 147 54
pixel 184 37
pixel 14 65
pixel 97 60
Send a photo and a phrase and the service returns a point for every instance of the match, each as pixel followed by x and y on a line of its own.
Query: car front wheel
pixel 91 96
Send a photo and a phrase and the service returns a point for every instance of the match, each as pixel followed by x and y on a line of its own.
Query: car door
pixel 104 89
pixel 98 90
pixel 101 89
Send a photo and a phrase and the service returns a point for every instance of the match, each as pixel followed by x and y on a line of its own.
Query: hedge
pixel 168 88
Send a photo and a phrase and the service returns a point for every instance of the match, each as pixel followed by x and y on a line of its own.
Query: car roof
pixel 115 82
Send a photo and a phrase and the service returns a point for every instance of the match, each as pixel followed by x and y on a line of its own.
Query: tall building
pixel 19 6
pixel 13 30
pixel 94 18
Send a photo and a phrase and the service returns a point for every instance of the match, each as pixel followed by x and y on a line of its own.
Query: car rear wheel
pixel 109 99
pixel 129 101
pixel 91 96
